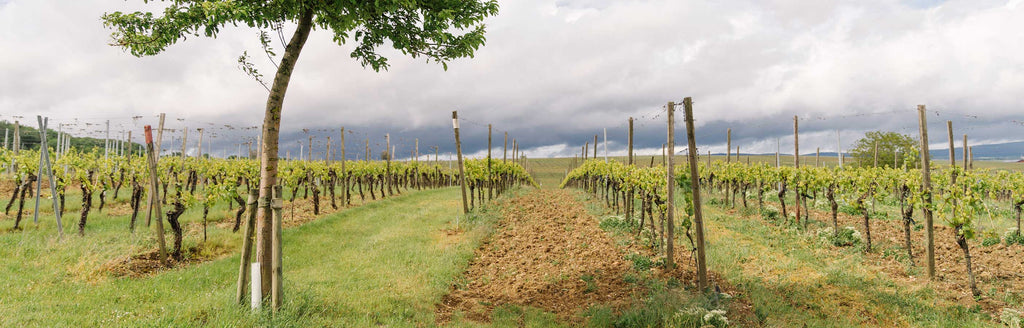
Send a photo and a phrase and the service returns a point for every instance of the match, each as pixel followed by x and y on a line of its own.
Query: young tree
pixel 890 145
pixel 439 30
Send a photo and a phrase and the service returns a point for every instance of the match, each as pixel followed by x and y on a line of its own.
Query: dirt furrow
pixel 547 253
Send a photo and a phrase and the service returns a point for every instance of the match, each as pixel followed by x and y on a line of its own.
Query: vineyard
pixel 981 204
pixel 212 215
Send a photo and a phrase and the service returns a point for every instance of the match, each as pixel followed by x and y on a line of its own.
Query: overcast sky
pixel 553 74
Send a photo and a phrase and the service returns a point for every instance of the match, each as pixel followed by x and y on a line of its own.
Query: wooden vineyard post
pixel 839 149
pixel 344 172
pixel 130 146
pixel 515 151
pixel 327 155
pixel 876 153
pixel 504 150
pixel 629 162
pixel 246 258
pixel 16 146
pixel 155 204
pixel 970 150
pixel 796 164
pixel 952 153
pixel 926 187
pixel 728 146
pixel 367 158
pixel 586 147
pixel 595 146
pixel 698 216
pixel 153 193
pixel 199 151
pixel 663 151
pixel 277 279
pixel 490 180
pixel 462 170
pixel 629 141
pixel 670 208
pixel 387 166
pixel 817 157
pixel 964 150
pixel 184 139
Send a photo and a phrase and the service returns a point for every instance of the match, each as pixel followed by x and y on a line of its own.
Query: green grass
pixel 383 263
pixel 792 280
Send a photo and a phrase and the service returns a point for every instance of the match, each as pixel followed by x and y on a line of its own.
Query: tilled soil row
pixel 547 253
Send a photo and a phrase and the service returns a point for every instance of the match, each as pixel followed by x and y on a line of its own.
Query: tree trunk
pixel 103 200
pixel 867 221
pixel 86 205
pixel 782 201
pixel 271 134
pixel 908 220
pixel 135 201
pixel 172 217
pixel 14 196
pixel 962 242
pixel 316 199
pixel 238 214
pixel 1017 207
pixel 21 199
pixel 831 195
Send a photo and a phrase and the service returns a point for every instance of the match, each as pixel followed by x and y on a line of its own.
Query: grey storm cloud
pixel 553 74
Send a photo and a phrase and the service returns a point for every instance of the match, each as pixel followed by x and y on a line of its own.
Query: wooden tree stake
pixel 153 187
pixel 462 169
pixel 698 216
pixel 926 186
pixel 670 208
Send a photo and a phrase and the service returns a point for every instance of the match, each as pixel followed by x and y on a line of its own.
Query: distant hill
pixel 1001 152
pixel 30 138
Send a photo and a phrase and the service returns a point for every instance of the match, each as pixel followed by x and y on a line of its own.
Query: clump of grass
pixel 990 241
pixel 770 214
pixel 616 223
pixel 847 236
pixel 1012 237
pixel 640 262
pixel 698 317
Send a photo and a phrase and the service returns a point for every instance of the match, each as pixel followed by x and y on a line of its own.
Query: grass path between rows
pixel 384 263
pixel 795 280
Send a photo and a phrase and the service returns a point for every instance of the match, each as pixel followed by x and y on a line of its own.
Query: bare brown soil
pixel 148 263
pixel 547 253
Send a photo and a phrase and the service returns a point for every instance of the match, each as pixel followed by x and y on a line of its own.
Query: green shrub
pixel 640 262
pixel 848 209
pixel 990 240
pixel 615 223
pixel 1012 237
pixel 770 213
pixel 848 236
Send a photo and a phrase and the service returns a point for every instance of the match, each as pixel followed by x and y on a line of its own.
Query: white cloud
pixel 553 72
